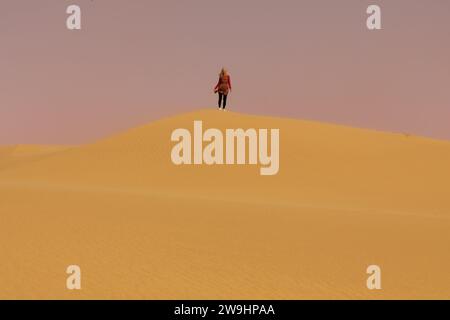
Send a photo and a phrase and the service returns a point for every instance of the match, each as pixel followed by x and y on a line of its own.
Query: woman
pixel 223 87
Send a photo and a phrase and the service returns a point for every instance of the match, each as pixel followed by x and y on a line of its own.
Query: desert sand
pixel 140 227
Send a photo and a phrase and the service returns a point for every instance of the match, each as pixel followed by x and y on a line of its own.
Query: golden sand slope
pixel 140 227
pixel 18 154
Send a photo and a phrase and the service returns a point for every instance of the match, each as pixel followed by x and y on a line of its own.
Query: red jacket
pixel 223 85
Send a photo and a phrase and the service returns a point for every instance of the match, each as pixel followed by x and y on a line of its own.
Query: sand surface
pixel 141 227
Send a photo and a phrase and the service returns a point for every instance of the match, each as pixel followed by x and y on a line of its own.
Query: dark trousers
pixel 222 100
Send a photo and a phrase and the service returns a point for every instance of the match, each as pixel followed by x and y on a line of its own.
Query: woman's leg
pixel 225 100
pixel 220 99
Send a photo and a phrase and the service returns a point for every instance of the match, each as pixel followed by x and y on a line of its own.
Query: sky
pixel 136 61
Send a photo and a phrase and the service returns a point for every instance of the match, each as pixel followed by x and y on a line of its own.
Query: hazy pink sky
pixel 136 61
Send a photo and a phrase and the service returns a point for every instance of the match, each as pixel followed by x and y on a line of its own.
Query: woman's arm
pixel 217 85
pixel 229 82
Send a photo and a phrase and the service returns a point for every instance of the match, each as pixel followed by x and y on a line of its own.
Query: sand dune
pixel 141 227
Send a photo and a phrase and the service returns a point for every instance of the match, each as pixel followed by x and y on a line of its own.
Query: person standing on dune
pixel 223 87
